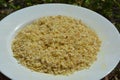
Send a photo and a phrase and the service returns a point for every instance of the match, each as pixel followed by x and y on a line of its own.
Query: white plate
pixel 108 57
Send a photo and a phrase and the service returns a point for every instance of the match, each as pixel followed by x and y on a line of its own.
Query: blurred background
pixel 108 8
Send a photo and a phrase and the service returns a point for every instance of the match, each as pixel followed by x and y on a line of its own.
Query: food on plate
pixel 57 45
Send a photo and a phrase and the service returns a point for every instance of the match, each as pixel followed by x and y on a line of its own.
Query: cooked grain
pixel 56 45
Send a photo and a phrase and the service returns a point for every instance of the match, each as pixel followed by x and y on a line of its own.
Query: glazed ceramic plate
pixel 108 57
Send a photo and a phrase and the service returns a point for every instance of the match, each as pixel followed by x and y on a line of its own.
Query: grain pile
pixel 56 45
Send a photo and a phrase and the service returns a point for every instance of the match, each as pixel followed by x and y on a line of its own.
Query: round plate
pixel 108 57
